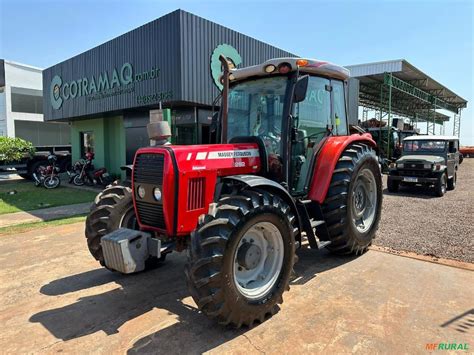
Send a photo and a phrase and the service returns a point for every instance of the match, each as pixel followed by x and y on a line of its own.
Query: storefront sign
pixel 104 85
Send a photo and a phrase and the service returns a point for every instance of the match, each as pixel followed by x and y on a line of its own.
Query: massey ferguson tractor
pixel 286 172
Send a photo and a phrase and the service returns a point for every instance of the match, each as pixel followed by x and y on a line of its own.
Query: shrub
pixel 15 149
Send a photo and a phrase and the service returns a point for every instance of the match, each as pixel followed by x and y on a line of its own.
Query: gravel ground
pixel 415 220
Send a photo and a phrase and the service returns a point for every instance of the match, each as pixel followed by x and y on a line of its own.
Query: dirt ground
pixel 415 220
pixel 55 298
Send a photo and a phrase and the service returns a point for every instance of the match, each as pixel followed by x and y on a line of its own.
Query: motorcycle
pixel 84 173
pixel 48 176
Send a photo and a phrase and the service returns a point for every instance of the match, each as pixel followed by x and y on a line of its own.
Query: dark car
pixel 426 160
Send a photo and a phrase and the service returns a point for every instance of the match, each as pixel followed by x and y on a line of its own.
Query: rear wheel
pixel 112 209
pixel 353 202
pixel 241 258
pixel 392 185
pixel 452 181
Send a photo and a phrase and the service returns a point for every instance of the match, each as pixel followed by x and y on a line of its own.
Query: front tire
pixel 51 182
pixel 78 181
pixel 112 209
pixel 392 185
pixel 241 258
pixel 452 181
pixel 441 185
pixel 353 203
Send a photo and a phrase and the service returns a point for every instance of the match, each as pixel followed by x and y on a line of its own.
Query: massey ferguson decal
pixel 226 154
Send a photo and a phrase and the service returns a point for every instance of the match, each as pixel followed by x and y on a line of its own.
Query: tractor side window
pixel 340 122
pixel 312 117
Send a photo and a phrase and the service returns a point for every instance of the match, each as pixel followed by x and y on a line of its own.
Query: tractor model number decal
pixel 225 154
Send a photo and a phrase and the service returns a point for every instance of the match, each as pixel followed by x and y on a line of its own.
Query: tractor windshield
pixel 256 109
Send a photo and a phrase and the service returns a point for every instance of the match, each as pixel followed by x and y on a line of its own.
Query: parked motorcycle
pixel 48 176
pixel 83 172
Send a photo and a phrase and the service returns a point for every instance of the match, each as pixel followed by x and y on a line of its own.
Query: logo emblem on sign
pixel 233 57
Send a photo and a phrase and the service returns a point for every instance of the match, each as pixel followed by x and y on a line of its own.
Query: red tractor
pixel 287 171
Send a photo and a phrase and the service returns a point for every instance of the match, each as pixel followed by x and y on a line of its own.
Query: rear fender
pixel 326 162
pixel 268 185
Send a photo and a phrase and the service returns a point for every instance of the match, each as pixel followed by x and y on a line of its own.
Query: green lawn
pixel 28 197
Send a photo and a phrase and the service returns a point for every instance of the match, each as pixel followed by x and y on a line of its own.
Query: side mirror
pixel 301 87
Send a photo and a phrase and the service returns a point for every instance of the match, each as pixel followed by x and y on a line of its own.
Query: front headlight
pixel 400 165
pixel 427 166
pixel 141 192
pixel 157 193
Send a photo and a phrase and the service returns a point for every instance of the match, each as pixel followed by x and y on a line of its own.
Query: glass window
pixel 313 114
pixel 429 146
pixel 340 122
pixel 87 143
pixel 26 100
pixel 256 108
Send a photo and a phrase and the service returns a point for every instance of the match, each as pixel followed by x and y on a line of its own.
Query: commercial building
pixel 107 92
pixel 21 106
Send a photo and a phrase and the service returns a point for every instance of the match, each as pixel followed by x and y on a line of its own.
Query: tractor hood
pixel 174 184
pixel 421 158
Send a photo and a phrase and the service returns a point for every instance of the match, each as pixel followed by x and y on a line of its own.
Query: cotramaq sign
pixel 104 85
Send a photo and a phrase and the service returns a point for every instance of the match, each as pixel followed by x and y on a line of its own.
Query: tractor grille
pixel 149 169
pixel 196 193
pixel 151 214
pixel 148 172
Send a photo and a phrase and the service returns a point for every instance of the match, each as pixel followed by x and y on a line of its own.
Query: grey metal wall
pixel 199 37
pixel 155 44
pixel 179 43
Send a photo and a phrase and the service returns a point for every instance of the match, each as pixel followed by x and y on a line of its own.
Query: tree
pixel 15 149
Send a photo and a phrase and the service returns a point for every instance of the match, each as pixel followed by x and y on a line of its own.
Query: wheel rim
pixel 443 184
pixel 364 201
pixel 129 220
pixel 51 182
pixel 258 260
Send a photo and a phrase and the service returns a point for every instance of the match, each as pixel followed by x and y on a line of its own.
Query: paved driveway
pixel 54 298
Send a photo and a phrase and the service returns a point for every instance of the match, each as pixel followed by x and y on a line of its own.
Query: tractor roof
pixel 430 138
pixel 273 66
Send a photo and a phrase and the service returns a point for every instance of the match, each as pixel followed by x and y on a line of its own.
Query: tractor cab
pixel 287 106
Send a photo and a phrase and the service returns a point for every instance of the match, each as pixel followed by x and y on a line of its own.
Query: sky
pixel 435 36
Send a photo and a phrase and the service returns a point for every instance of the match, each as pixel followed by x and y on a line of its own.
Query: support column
pixel 457 124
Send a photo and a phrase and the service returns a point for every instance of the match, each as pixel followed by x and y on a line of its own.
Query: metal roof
pixel 305 65
pixel 430 138
pixel 374 73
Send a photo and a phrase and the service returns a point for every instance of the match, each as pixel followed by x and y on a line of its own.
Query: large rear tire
pixel 353 203
pixel 112 209
pixel 241 258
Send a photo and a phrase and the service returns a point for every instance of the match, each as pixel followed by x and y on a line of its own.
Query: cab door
pixel 452 156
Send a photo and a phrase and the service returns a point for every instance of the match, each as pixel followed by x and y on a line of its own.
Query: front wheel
pixel 353 203
pixel 452 181
pixel 51 182
pixel 241 258
pixel 440 186
pixel 392 185
pixel 78 181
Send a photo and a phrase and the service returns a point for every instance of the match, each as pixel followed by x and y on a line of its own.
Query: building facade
pixel 107 92
pixel 21 106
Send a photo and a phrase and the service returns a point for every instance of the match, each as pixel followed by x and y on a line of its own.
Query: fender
pixel 327 159
pixel 269 185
